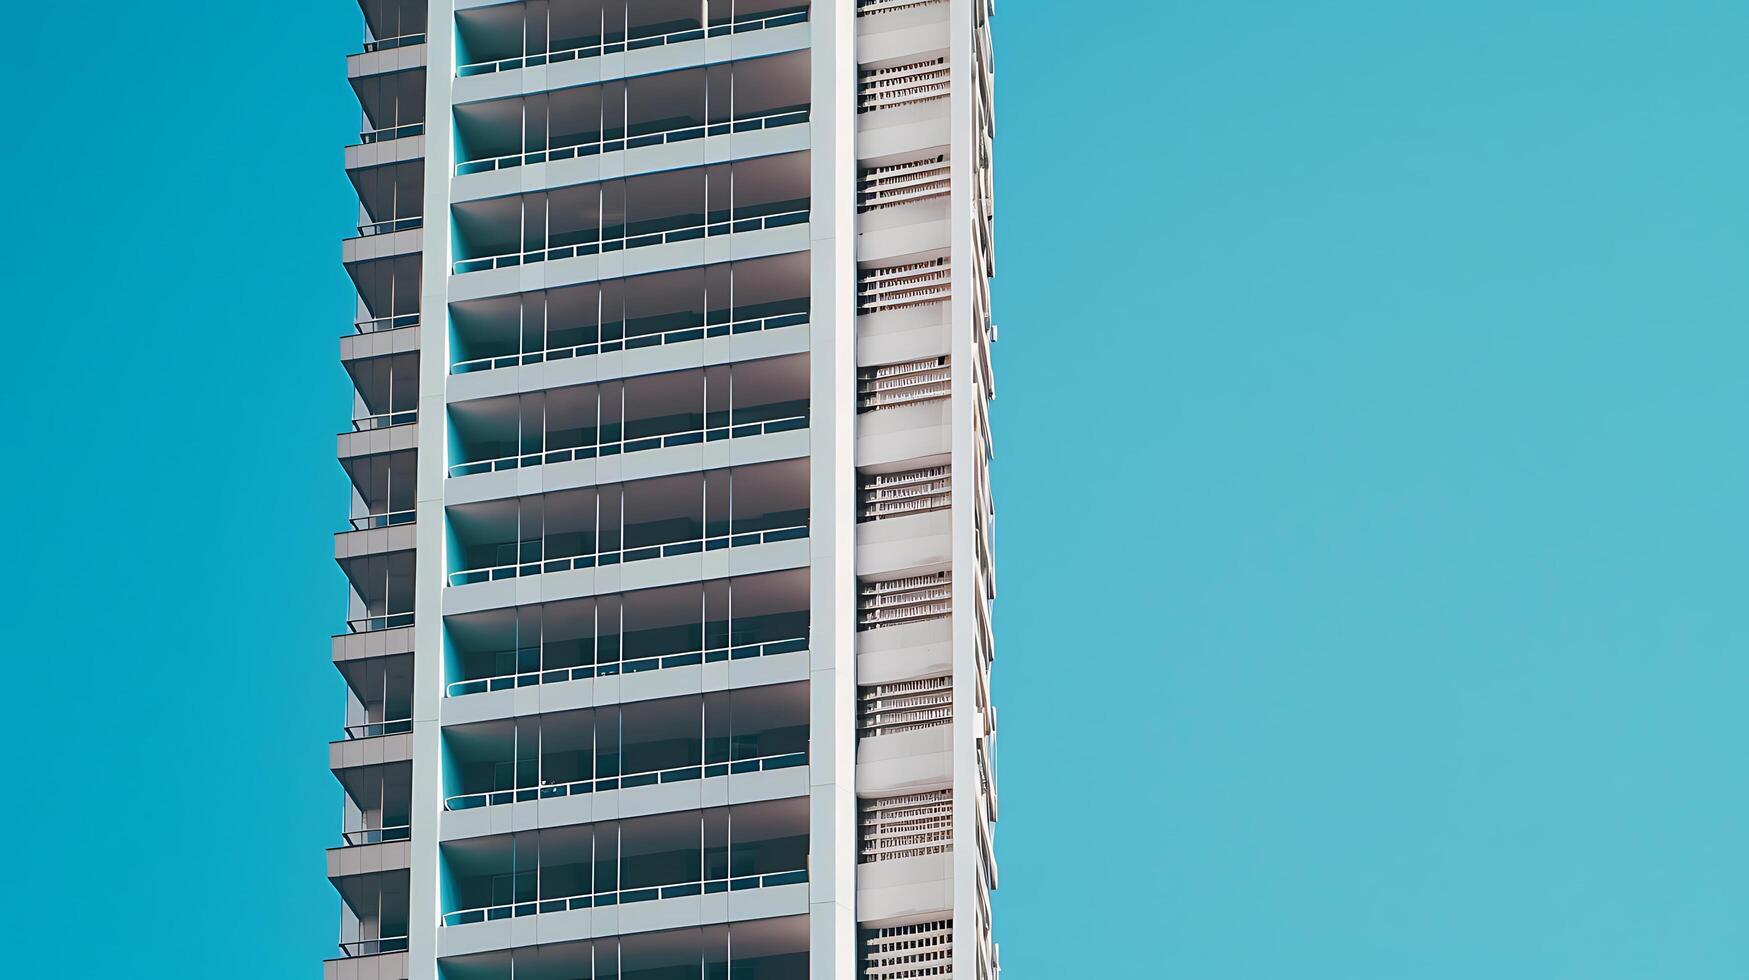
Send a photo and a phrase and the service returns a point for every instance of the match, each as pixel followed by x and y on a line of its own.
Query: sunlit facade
pixel 670 552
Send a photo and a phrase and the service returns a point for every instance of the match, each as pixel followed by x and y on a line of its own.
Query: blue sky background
pixel 1372 495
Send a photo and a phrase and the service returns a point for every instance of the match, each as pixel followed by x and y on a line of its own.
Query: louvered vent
pixel 903 600
pixel 902 85
pixel 908 706
pixel 901 287
pixel 907 826
pixel 865 8
pixel 911 492
pixel 902 183
pixel 907 383
pixel 898 952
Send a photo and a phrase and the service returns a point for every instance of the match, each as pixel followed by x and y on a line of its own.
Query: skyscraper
pixel 670 565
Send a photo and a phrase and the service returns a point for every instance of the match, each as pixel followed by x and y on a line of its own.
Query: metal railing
pixel 617 243
pixel 611 144
pixel 677 336
pixel 384 621
pixel 902 85
pixel 900 287
pixel 617 556
pixel 391 226
pixel 884 495
pixel 378 835
pixel 878 188
pixel 904 706
pixel 625 896
pixel 391 519
pixel 904 600
pixel 602 47
pixel 371 947
pixel 377 729
pixel 920 950
pixel 385 420
pixel 386 323
pixel 636 665
pixel 866 7
pixel 897 385
pixel 391 133
pixel 582 787
pixel 390 43
pixel 688 437
pixel 898 827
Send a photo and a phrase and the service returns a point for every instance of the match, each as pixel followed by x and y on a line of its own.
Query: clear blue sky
pixel 1372 496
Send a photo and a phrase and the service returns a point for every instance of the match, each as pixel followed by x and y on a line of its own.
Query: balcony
pixel 756 949
pixel 625 747
pixel 388 291
pixel 389 23
pixel 386 391
pixel 636 212
pixel 616 523
pixel 386 240
pixel 355 446
pixel 382 489
pixel 355 868
pixel 394 41
pixel 392 101
pixel 585 422
pixel 381 593
pixel 378 803
pixel 645 631
pixel 645 111
pixel 385 56
pixel 379 698
pixel 373 917
pixel 391 197
pixel 384 417
pixel 625 862
pixel 507 37
pixel 640 313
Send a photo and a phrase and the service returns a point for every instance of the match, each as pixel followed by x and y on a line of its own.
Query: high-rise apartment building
pixel 670 553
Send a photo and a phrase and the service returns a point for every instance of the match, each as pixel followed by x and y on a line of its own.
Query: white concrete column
pixel 430 564
pixel 832 488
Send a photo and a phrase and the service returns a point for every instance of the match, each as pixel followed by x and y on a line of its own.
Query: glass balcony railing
pixel 635 341
pixel 609 143
pixel 386 323
pixel 632 665
pixel 583 787
pixel 378 835
pixel 382 621
pixel 617 239
pixel 376 729
pixel 391 133
pixel 617 556
pixel 371 947
pixel 391 226
pixel 686 437
pixel 390 43
pixel 865 8
pixel 625 896
pixel 610 45
pixel 369 521
pixel 370 423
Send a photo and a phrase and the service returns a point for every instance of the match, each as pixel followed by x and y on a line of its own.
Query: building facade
pixel 670 554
